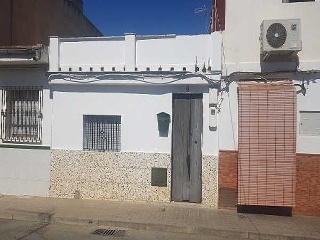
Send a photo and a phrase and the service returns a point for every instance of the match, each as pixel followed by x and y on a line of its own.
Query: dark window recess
pixel 159 177
pixel 102 133
pixel 21 114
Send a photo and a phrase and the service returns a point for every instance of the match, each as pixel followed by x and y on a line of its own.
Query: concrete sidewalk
pixel 171 217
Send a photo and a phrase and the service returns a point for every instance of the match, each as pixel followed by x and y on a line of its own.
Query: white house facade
pixel 228 119
pixel 134 117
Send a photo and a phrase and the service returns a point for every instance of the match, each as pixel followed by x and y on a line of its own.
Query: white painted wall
pixel 228 116
pixel 126 53
pixel 128 94
pixel 309 102
pixel 179 52
pixel 138 107
pixel 92 52
pixel 24 172
pixel 241 37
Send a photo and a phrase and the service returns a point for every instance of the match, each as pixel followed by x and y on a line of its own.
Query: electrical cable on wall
pixel 266 77
pixel 83 78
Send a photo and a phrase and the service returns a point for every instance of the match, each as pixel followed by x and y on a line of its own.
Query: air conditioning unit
pixel 280 36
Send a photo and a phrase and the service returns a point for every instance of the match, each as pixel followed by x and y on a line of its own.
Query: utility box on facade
pixel 163 123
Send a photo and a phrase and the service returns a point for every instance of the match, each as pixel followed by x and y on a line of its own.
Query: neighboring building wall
pixel 306 145
pixel 241 51
pixel 308 156
pixel 5 23
pixel 32 76
pixel 218 15
pixel 228 118
pixel 24 172
pixel 241 37
pixel 30 22
pixel 309 102
pixel 308 185
pixel 25 169
pixel 244 55
pixel 228 179
pixel 78 4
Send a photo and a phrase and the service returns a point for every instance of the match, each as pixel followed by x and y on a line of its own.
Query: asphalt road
pixel 23 230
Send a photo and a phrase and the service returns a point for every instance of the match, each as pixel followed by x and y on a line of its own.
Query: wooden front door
pixel 187 124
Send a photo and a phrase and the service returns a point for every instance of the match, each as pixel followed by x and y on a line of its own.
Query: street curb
pixel 233 234
pixel 7 216
pixel 48 217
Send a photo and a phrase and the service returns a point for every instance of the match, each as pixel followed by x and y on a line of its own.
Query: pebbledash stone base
pixel 120 176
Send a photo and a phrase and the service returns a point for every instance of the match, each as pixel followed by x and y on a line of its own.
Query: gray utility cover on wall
pixel 159 177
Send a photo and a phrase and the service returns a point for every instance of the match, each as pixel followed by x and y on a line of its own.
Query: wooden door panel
pixel 186 148
pixel 196 126
pixel 180 150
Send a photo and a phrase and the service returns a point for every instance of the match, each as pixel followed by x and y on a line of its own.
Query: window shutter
pixel 267 144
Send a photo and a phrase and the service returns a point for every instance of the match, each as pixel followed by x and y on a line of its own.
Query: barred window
pixel 21 114
pixel 102 133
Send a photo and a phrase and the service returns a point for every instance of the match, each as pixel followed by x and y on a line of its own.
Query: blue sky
pixel 114 18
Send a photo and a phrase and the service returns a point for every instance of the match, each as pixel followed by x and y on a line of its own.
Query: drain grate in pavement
pixel 109 232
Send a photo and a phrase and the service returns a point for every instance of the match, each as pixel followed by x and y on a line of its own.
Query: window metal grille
pixel 21 114
pixel 102 133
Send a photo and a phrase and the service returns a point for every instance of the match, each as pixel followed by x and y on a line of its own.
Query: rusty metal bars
pixel 21 114
pixel 102 133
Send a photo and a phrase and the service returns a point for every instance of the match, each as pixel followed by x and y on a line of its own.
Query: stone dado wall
pixel 210 181
pixel 119 176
